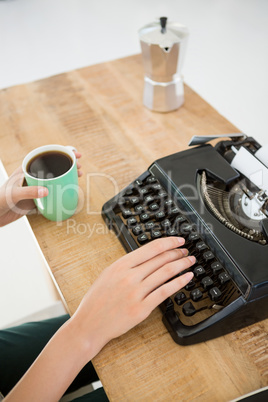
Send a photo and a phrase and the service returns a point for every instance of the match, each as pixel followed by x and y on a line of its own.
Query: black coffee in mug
pixel 49 164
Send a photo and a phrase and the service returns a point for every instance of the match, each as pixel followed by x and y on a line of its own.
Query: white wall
pixel 226 60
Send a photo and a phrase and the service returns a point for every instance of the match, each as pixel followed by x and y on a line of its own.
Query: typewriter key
pixel 214 294
pixel 188 309
pixel 206 282
pixel 196 294
pixel 223 278
pixel 216 267
pixel 199 271
pixel 180 298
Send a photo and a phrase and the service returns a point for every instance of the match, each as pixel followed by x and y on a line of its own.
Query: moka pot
pixel 163 46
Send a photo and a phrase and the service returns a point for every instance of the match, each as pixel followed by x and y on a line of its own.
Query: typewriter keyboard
pixel 148 213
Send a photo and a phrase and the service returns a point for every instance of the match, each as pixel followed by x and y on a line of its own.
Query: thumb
pixel 30 192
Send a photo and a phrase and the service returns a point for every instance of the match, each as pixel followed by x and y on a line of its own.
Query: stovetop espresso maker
pixel 163 45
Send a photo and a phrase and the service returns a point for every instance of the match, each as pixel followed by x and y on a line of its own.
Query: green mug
pixel 62 184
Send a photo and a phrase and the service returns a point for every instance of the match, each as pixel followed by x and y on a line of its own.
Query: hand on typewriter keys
pixel 128 290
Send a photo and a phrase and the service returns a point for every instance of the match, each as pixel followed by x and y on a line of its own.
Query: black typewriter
pixel 214 198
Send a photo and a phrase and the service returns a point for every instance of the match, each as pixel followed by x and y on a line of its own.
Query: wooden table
pixel 99 110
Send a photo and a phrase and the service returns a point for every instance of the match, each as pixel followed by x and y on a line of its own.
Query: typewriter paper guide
pixel 202 139
pixel 251 167
pixel 181 170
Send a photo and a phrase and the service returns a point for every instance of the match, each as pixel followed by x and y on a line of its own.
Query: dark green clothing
pixel 20 346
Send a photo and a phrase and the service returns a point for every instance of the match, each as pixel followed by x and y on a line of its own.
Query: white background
pixel 226 60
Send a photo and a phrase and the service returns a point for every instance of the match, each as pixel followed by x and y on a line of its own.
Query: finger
pixel 165 273
pixel 79 173
pixel 78 165
pixel 25 207
pixel 17 171
pixel 168 289
pixel 16 177
pixel 77 154
pixel 29 193
pixel 160 260
pixel 151 250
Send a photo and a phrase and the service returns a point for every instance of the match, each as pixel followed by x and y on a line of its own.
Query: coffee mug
pixel 53 167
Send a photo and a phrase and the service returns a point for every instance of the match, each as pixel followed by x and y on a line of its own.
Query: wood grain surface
pixel 99 110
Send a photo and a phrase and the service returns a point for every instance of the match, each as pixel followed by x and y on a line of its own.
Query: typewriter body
pixel 204 195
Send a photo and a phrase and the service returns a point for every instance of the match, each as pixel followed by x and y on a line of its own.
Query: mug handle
pixel 71 148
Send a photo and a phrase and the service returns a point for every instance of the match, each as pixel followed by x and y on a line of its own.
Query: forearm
pixel 55 368
pixel 124 295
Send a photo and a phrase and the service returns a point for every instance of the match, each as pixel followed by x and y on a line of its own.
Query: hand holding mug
pixel 55 168
pixel 17 200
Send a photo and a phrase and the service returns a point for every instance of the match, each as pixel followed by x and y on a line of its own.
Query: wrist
pixel 86 341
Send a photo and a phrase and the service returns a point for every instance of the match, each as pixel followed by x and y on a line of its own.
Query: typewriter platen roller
pixel 217 199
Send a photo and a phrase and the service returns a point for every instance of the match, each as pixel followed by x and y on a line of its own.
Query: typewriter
pixel 216 197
